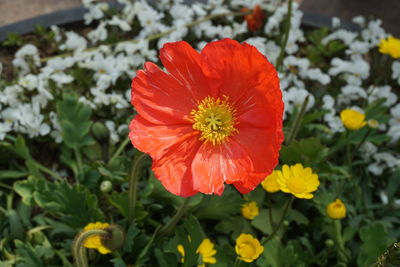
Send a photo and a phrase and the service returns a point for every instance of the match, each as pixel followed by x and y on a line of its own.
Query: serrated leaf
pixel 74 118
pixel 308 151
pixel 219 207
pixel 75 204
pixel 375 241
pixel 28 255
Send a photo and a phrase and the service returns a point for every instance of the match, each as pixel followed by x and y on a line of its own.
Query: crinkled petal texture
pixel 163 128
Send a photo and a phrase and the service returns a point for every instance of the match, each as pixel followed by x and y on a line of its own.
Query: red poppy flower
pixel 214 118
pixel 255 19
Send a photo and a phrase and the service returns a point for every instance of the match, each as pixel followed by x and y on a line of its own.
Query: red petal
pixel 248 78
pixel 213 165
pixel 153 139
pixel 160 98
pixel 190 70
pixel 263 147
pixel 173 168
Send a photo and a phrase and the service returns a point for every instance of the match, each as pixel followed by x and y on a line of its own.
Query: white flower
pixel 113 133
pixel 335 22
pixel 28 81
pixel 396 71
pixel 5 127
pixel 318 75
pixel 344 35
pixel 122 24
pixel 374 33
pixel 56 132
pixel 360 20
pixel 74 42
pixel 357 66
pixel 98 34
pixel 61 78
pixel 377 92
pixel 24 54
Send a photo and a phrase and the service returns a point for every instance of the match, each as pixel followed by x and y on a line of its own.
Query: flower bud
pixel 106 186
pixel 373 123
pixel 115 239
pixel 329 243
pixel 100 132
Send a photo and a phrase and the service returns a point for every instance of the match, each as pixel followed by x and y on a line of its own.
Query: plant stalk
pixel 78 249
pixel 288 204
pixel 286 36
pixel 174 220
pixel 297 123
pixel 133 182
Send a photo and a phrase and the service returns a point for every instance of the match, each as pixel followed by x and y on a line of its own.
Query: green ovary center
pixel 215 119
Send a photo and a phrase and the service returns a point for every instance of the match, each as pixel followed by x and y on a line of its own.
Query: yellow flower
pixel 270 183
pixel 298 181
pixel 181 250
pixel 336 210
pixel 205 249
pixel 250 210
pixel 94 241
pixel 352 119
pixel 248 248
pixel 390 46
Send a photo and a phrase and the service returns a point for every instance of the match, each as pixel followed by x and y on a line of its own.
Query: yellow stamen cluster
pixel 215 119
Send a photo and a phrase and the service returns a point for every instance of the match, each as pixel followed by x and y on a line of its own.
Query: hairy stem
pixel 286 209
pixel 133 182
pixel 78 249
pixel 174 220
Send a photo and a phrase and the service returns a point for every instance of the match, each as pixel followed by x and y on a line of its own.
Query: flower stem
pixel 48 171
pixel 361 143
pixel 79 251
pixel 78 157
pixel 133 182
pixel 156 36
pixel 286 209
pixel 174 220
pixel 297 123
pixel 270 210
pixel 348 155
pixel 286 36
pixel 339 240
pixel 119 149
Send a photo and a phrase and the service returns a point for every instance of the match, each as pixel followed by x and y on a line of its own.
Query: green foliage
pixel 13 39
pixel 308 151
pixel 375 242
pixel 317 50
pixel 74 118
pixel 73 203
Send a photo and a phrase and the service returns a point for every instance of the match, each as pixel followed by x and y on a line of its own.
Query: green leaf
pixel 75 204
pixel 74 118
pixel 219 207
pixel 12 174
pixel 25 189
pixel 28 255
pixel 308 151
pixel 375 241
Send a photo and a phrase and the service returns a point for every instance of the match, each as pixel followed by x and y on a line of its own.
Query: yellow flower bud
pixel 250 210
pixel 336 209
pixel 248 248
pixel 352 119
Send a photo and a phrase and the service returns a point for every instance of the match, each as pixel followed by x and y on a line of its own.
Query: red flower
pixel 214 118
pixel 255 19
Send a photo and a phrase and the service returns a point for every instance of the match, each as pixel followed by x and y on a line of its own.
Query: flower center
pixel 296 185
pixel 215 119
pixel 247 250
